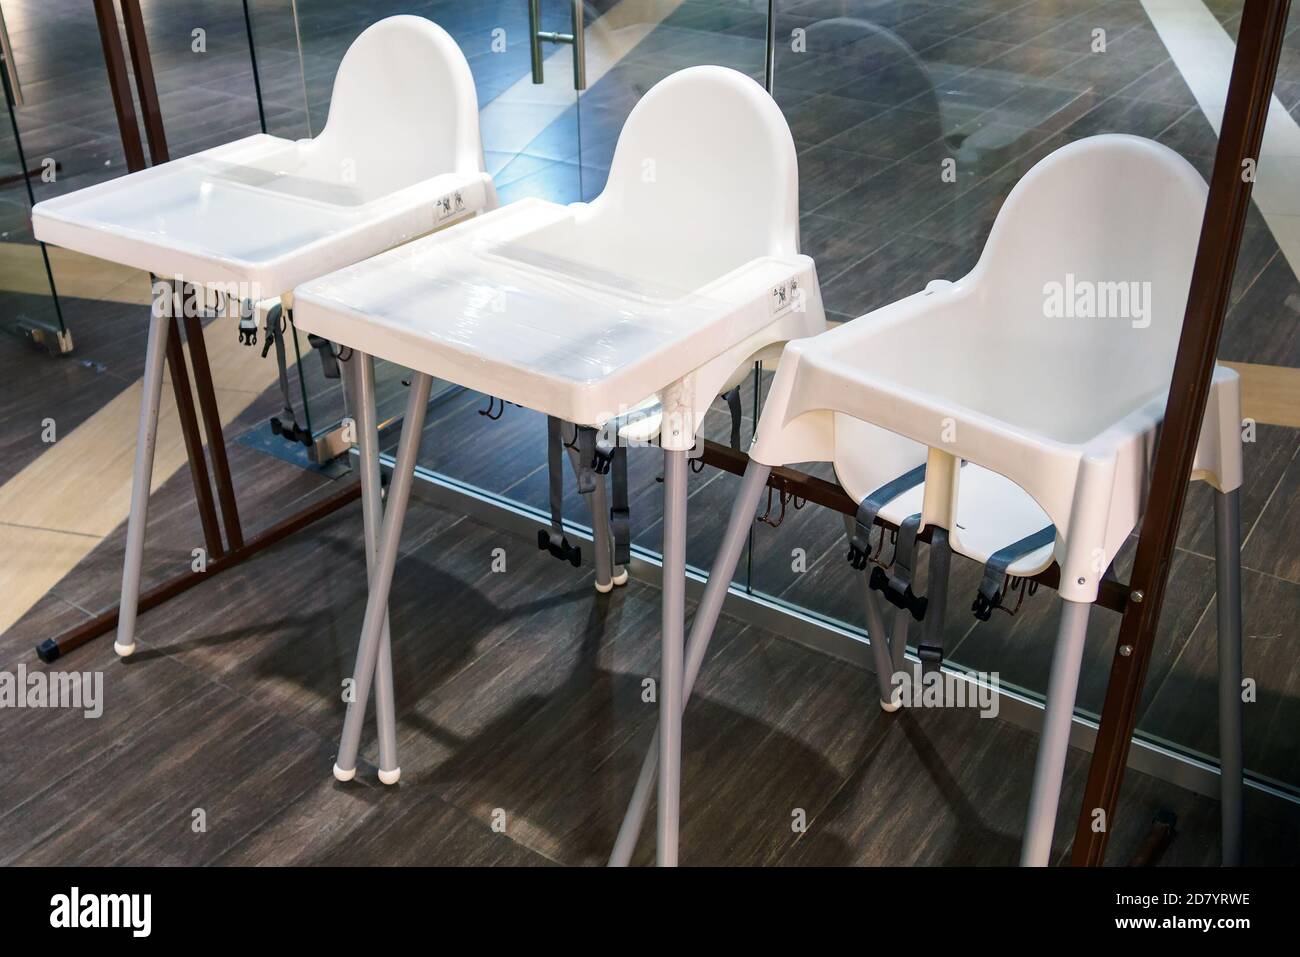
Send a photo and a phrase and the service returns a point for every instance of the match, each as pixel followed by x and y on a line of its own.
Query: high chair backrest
pixel 403 108
pixel 704 179
pixel 1082 285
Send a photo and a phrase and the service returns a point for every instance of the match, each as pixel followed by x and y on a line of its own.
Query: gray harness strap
pixel 554 540
pixel 930 648
pixel 587 465
pixel 601 458
pixel 733 405
pixel 286 423
pixel 619 516
pixel 869 508
pixel 989 595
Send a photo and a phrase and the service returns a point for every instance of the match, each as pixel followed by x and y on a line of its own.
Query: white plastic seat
pixel 681 271
pixel 1053 417
pixel 1064 408
pixel 400 156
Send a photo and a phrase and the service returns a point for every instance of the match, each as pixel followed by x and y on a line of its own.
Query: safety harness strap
pixel 869 508
pixel 733 405
pixel 588 465
pixel 930 647
pixel 286 423
pixel 619 517
pixel 989 595
pixel 554 540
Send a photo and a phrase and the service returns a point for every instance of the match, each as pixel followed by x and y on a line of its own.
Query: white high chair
pixel 680 272
pixel 1053 418
pixel 399 156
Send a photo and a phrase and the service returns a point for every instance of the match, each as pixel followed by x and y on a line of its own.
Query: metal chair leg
pixel 672 668
pixel 368 648
pixel 702 626
pixel 1227 563
pixel 878 637
pixel 141 478
pixel 359 377
pixel 1054 741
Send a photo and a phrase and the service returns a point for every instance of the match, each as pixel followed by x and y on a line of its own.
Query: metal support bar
pixel 1227 565
pixel 257 77
pixel 53 648
pixel 1259 46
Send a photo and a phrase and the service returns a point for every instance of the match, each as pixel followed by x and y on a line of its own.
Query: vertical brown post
pixel 1259 45
pixel 216 437
pixel 193 443
pixel 119 85
pixel 146 86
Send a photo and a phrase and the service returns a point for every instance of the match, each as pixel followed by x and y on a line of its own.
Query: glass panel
pixel 70 137
pixel 31 308
pixel 202 68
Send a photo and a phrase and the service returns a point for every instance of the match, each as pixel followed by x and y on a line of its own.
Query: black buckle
pixel 248 331
pixel 930 654
pixel 564 551
pixel 294 433
pixel 602 460
pixel 902 598
pixel 983 605
pixel 857 557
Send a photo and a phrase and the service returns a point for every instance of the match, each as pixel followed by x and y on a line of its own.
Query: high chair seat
pixel 1013 413
pixel 992 512
pixel 400 155
pixel 1063 409
pixel 868 387
pixel 644 303
pixel 272 212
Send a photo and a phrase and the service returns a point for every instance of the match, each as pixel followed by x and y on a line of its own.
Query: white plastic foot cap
pixel 124 651
pixel 889 706
pixel 621 578
pixel 390 777
pixel 341 775
pixel 606 588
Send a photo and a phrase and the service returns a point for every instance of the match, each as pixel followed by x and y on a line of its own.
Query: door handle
pixel 576 39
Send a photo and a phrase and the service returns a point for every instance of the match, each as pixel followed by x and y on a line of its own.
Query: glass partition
pixel 912 123
pixel 31 308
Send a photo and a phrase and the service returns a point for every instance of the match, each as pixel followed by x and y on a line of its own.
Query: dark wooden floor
pixel 518 693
